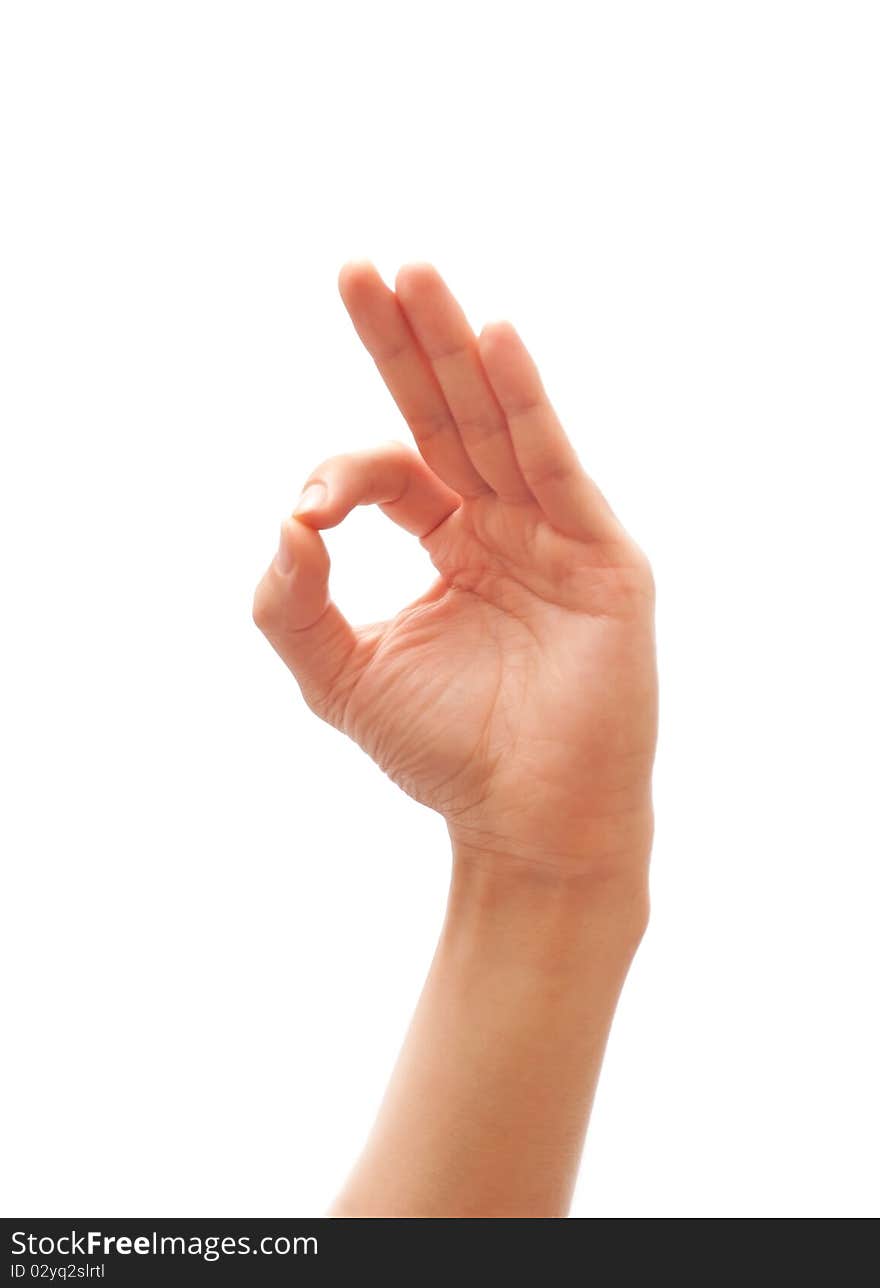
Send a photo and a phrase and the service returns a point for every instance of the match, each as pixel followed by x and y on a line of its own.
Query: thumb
pixel 293 609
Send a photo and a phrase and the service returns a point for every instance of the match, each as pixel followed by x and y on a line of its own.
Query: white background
pixel 218 913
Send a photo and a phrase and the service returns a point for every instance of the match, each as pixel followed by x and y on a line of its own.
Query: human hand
pixel 518 695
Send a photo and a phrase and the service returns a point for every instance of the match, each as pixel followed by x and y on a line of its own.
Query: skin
pixel 518 698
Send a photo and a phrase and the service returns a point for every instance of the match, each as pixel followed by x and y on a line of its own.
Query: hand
pixel 517 697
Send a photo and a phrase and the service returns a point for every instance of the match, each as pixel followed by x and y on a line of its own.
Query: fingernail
pixel 312 499
pixel 284 559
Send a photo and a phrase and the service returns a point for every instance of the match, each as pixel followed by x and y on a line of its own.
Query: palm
pixel 503 664
pixel 517 695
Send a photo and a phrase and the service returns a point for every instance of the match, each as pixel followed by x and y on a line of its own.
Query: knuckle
pixel 261 609
pixel 397 449
pixel 319 473
pixel 646 574
pixel 549 471
pixel 316 702
pixel 427 425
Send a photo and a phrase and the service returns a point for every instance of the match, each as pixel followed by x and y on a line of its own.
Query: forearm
pixel 487 1107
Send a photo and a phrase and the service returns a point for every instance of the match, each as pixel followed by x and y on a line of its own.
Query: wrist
pixel 547 913
pixel 586 853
